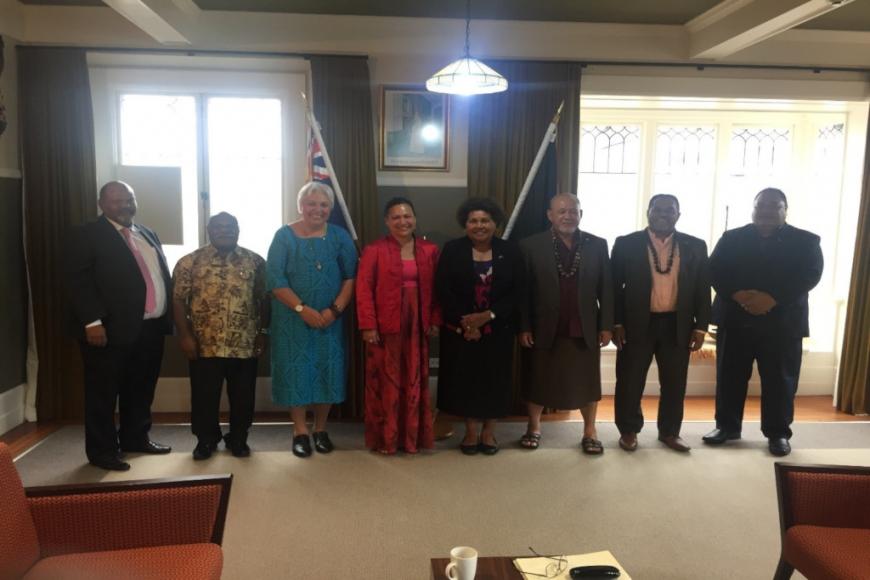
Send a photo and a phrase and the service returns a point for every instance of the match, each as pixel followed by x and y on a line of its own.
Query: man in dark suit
pixel 662 308
pixel 566 318
pixel 762 274
pixel 119 286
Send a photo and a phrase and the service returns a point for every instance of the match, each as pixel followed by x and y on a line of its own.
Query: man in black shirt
pixel 762 274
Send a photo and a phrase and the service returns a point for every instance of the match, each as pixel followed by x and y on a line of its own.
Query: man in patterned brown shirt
pixel 221 311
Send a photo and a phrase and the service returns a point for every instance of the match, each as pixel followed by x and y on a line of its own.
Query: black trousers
pixel 779 366
pixel 126 375
pixel 632 366
pixel 207 377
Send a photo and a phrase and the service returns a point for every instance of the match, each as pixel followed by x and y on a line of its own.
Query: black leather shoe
pixel 488 449
pixel 237 446
pixel 147 446
pixel 779 446
pixel 322 442
pixel 110 463
pixel 302 446
pixel 203 450
pixel 719 436
pixel 469 449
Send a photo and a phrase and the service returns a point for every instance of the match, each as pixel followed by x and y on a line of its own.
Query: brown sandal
pixel 530 441
pixel 591 446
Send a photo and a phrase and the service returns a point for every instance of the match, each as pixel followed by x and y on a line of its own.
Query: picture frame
pixel 414 129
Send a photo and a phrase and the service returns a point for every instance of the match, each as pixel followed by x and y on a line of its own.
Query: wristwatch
pixel 299 308
pixel 335 309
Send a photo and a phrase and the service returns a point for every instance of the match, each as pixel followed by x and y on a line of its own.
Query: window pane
pixel 822 211
pixel 685 166
pixel 609 178
pixel 244 155
pixel 759 157
pixel 160 131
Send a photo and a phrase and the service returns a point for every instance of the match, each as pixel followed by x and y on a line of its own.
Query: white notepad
pixel 531 566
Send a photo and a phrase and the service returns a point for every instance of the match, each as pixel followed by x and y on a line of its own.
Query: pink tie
pixel 150 294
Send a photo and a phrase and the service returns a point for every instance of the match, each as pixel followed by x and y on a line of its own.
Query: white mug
pixel 463 564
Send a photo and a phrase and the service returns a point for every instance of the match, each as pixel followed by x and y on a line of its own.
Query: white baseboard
pixel 12 408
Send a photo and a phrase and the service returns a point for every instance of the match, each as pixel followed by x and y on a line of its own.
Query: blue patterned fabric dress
pixel 309 365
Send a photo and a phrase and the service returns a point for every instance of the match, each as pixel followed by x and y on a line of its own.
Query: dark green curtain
pixel 343 106
pixel 57 150
pixel 506 129
pixel 853 390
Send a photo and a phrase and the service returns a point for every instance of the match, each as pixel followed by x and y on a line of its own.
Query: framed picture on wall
pixel 415 127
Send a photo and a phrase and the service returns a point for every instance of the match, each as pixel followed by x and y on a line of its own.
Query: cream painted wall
pixel 12 18
pixel 411 70
pixel 9 159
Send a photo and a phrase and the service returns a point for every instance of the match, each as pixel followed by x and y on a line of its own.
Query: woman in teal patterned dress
pixel 311 269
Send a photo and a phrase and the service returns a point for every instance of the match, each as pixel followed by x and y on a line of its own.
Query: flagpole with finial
pixel 549 137
pixel 339 196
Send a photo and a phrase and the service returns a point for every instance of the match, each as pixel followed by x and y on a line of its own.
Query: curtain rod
pixel 702 66
pixel 582 63
pixel 194 52
pixel 696 65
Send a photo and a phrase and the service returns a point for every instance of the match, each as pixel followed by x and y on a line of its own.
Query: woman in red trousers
pixel 397 315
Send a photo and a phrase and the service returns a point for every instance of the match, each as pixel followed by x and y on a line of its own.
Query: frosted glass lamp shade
pixel 467 76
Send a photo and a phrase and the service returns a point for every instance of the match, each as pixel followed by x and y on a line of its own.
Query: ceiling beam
pixel 733 25
pixel 160 20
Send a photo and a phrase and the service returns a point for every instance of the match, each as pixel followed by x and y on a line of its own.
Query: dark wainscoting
pixel 13 287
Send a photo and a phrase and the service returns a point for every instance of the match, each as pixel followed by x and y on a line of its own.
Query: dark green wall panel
pixel 13 288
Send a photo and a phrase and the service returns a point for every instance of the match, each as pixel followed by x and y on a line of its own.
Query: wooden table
pixel 488 568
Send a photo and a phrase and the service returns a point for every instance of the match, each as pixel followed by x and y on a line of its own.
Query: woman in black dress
pixel 478 283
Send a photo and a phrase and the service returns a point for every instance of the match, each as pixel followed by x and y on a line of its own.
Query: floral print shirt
pixel 223 296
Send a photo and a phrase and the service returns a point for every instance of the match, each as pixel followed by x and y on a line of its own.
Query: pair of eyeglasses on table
pixel 559 564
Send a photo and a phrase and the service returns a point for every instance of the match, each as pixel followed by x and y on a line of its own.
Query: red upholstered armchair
pixel 135 530
pixel 824 514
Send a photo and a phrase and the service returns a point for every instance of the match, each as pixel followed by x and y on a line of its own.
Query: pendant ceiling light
pixel 467 76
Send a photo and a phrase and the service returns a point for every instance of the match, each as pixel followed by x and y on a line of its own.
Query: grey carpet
pixel 354 514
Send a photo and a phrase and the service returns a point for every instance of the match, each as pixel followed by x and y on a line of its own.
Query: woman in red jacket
pixel 397 314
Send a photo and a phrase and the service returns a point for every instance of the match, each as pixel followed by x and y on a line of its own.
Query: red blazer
pixel 379 285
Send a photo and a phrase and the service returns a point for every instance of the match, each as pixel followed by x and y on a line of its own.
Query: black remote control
pixel 592 572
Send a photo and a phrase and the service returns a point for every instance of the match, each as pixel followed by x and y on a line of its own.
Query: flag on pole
pixel 318 172
pixel 532 217
pixel 316 165
pixel 545 189
pixel 320 169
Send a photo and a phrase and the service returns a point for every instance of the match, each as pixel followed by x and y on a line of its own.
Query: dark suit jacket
pixel 787 266
pixel 632 281
pixel 455 279
pixel 540 311
pixel 104 281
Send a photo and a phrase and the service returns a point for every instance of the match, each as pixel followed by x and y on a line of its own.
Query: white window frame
pixel 202 77
pixel 803 118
